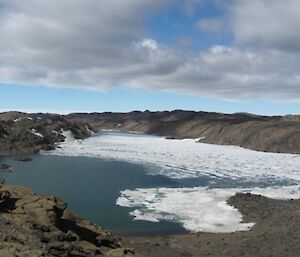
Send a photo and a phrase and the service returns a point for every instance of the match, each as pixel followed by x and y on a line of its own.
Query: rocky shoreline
pixel 36 225
pixel 275 234
pixel 42 226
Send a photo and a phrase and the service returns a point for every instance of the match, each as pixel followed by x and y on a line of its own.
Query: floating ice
pixel 198 209
pixel 185 158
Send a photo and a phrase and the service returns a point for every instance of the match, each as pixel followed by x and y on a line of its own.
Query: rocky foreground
pixel 42 226
pixel 32 225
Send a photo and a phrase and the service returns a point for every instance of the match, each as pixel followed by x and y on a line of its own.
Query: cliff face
pixel 262 133
pixel 27 133
pixel 34 225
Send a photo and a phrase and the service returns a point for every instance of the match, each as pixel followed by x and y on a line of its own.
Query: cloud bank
pixel 100 45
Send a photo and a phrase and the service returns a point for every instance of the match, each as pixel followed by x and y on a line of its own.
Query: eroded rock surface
pixel 34 225
pixel 29 133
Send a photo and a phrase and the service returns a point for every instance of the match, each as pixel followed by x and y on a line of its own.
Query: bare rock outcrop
pixel 30 133
pixel 34 225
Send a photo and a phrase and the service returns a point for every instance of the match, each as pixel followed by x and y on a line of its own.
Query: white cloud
pixel 209 25
pixel 267 23
pixel 148 43
pixel 98 45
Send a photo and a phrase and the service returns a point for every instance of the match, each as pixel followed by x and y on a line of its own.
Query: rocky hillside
pixel 20 132
pixel 34 225
pixel 262 133
pixel 27 133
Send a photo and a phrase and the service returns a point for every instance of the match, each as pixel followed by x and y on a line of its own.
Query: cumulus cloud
pixel 98 45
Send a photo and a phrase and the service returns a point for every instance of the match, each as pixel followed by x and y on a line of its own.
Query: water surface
pixel 163 185
pixel 91 187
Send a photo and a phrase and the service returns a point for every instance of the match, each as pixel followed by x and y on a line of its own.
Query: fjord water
pixel 166 186
pixel 91 187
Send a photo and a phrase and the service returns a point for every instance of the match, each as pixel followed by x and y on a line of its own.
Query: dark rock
pixel 24 159
pixel 33 222
pixel 5 167
pixel 23 133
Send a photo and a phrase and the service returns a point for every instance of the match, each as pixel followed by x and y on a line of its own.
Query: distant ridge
pixel 263 133
pixel 280 134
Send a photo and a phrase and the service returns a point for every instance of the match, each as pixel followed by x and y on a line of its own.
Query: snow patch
pixel 33 131
pixel 90 131
pixel 199 139
pixel 69 138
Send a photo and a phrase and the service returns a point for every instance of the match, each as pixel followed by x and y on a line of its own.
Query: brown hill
pixel 271 134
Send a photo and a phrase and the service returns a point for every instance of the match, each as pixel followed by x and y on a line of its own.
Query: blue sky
pixel 61 100
pixel 157 55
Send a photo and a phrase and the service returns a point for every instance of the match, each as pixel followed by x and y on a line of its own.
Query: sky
pixel 122 55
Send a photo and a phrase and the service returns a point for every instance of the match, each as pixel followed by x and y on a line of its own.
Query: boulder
pixel 5 167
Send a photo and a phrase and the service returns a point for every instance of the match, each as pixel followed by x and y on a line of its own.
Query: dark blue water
pixel 91 187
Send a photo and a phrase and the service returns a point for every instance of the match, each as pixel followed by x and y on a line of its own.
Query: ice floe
pixel 185 158
pixel 198 209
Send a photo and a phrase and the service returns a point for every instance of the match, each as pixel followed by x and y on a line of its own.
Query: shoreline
pixel 23 132
pixel 276 233
pixel 156 233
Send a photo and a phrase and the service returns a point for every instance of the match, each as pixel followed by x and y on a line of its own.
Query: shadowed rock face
pixel 28 133
pixel 34 225
pixel 262 133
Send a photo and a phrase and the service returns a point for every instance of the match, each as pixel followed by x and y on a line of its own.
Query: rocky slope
pixel 20 132
pixel 27 133
pixel 262 133
pixel 42 226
